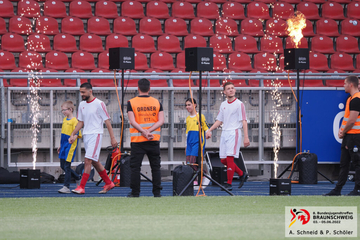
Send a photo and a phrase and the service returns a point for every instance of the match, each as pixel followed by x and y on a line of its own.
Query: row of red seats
pixel 185 10
pixel 168 43
pixel 43 82
pixel 218 1
pixel 176 26
pixel 237 61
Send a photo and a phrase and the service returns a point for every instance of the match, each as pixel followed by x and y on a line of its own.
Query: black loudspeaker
pixel 182 175
pixel 198 59
pixel 307 168
pixel 29 178
pixel 296 58
pixel 121 58
pixel 125 171
pixel 280 186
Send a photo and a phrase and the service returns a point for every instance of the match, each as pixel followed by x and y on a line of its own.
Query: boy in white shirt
pixel 91 115
pixel 232 117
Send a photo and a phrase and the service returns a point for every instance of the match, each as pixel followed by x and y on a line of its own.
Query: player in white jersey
pixel 91 115
pixel 232 117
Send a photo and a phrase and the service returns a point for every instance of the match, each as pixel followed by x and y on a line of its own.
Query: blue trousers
pixel 66 166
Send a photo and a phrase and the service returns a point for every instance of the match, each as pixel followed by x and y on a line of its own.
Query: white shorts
pixel 230 141
pixel 92 143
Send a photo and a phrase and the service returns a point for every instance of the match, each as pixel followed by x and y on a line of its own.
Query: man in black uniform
pixel 349 132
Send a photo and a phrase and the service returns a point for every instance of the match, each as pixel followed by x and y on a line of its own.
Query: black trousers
pixel 348 155
pixel 152 150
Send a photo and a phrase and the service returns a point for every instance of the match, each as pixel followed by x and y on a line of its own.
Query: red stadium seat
pixel 116 40
pixel 72 82
pixel 55 9
pixel 64 42
pixel 6 9
pixel 334 82
pixel 181 82
pixel 157 9
pixel 3 29
pixel 151 26
pixel 265 61
pixel 276 27
pixel 169 43
pixel 352 10
pixel 56 60
pixel 125 26
pixel 82 60
pixel 318 61
pixel 7 60
pixel 350 27
pixel 332 10
pixel 342 61
pixel 317 1
pixel 342 1
pixel 91 43
pixel 16 82
pixel 347 44
pixel 226 27
pixel 221 44
pixel 143 43
pixel 47 26
pixel 141 62
pixel 291 1
pixel 72 25
pixel 106 9
pixel 271 44
pixel 311 82
pixel 308 31
pixel 309 9
pixel 201 26
pixel 258 10
pixel 103 60
pixel 236 82
pixel 239 61
pixel 98 25
pixel 252 27
pixel 48 82
pixel 279 83
pixel 102 82
pixel 208 10
pixel 176 26
pixel 327 27
pixel 282 10
pixel 80 9
pixel 245 43
pixel 264 1
pixel 162 61
pixel 30 60
pixel 192 1
pixel 322 44
pixel 12 42
pixel 183 10
pixel 219 62
pixel 20 25
pixel 28 8
pixel 156 82
pixel 233 10
pixel 217 1
pixel 38 43
pixel 180 60
pixel 132 9
pixel 194 40
pixel 289 43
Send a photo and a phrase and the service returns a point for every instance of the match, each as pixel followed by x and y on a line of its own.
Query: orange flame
pixel 296 24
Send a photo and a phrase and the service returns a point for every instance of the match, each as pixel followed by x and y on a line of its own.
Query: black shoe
pixel 131 195
pixel 243 179
pixel 354 193
pixel 227 186
pixel 333 193
pixel 157 195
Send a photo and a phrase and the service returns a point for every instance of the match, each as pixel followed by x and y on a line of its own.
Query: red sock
pixel 230 169
pixel 84 179
pixel 238 170
pixel 105 177
pixel 223 161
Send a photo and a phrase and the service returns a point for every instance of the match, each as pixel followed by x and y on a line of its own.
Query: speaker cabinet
pixel 29 178
pixel 296 58
pixel 121 58
pixel 198 59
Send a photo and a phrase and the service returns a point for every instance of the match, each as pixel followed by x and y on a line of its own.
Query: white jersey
pixel 231 114
pixel 93 114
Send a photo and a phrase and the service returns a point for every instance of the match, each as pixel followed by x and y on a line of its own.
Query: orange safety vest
pixel 356 128
pixel 146 111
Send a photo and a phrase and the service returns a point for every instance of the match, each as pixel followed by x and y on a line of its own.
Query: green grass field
pixel 250 217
